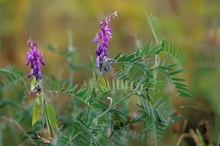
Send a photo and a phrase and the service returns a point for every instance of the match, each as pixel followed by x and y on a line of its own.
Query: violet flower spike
pixel 34 57
pixel 104 34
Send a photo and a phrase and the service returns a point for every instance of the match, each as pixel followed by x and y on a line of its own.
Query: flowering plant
pixel 34 57
pixel 105 34
pixel 94 120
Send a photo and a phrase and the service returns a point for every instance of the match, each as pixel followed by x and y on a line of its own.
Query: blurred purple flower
pixel 102 60
pixel 34 57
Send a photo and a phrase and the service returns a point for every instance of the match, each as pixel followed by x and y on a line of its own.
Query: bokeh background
pixel 193 26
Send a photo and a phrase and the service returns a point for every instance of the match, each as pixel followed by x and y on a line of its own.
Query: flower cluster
pixel 34 57
pixel 102 60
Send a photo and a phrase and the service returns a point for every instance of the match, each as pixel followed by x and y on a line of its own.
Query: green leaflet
pixel 175 72
pixel 71 90
pixel 51 85
pixel 33 82
pixel 178 79
pixel 69 87
pixel 51 115
pixel 35 111
pixel 103 83
pixel 117 55
pixel 121 58
pixel 135 59
pixel 81 92
pixel 63 86
pixel 56 86
pixel 183 93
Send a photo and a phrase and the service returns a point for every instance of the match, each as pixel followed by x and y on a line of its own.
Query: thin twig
pixel 182 136
pixel 122 100
pixel 192 135
pixel 184 125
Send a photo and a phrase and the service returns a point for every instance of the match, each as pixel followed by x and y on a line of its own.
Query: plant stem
pixel 110 107
pixel 122 100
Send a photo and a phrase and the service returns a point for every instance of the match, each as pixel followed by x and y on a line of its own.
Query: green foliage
pixel 140 76
pixel 12 77
pixel 78 133
pixel 135 75
pixel 157 117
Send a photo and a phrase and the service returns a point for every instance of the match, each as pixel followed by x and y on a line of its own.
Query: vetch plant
pixel 135 76
pixel 34 57
pixel 106 117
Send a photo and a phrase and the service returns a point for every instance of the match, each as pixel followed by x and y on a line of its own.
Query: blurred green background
pixel 193 26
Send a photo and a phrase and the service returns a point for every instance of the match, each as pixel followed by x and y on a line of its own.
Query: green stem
pixel 122 100
pixel 105 112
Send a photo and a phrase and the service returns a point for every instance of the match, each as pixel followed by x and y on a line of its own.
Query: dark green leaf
pixel 182 88
pixel 175 72
pixel 121 58
pixel 183 93
pixel 129 57
pixel 165 67
pixel 171 65
pixel 63 86
pixel 178 79
pixel 117 55
pixel 135 59
pixel 51 85
pixel 179 84
pixel 69 87
pixel 56 86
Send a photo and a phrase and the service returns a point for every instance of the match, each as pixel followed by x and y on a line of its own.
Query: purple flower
pixel 102 60
pixel 34 57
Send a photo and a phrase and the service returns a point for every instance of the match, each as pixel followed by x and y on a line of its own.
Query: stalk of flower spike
pixel 104 34
pixel 34 57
